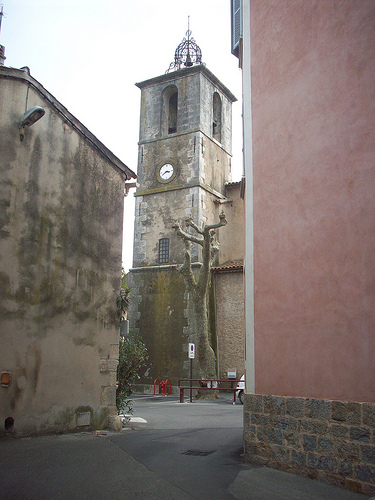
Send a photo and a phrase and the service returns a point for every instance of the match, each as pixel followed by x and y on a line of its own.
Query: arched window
pixel 172 118
pixel 216 120
pixel 169 111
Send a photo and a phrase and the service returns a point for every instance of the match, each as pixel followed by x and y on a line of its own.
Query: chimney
pixel 2 55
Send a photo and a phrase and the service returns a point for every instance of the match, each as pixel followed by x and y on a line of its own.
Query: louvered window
pixel 172 120
pixel 216 125
pixel 169 110
pixel 236 18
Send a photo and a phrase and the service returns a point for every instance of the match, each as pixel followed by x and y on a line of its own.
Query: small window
pixel 164 251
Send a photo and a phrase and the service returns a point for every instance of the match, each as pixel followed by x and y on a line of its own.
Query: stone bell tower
pixel 184 161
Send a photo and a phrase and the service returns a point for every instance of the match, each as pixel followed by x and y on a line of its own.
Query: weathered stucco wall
pixel 229 299
pixel 313 73
pixel 60 266
pixel 232 237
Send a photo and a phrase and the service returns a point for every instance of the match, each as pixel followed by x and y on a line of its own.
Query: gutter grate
pixel 197 453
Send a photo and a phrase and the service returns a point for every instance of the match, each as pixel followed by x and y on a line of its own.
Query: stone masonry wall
pixel 332 441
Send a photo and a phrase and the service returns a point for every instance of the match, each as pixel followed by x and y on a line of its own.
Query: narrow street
pixel 168 450
pixel 196 446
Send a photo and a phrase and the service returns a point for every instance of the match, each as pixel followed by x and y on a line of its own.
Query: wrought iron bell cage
pixel 188 53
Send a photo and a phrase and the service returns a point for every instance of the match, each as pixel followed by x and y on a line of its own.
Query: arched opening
pixel 169 110
pixel 172 118
pixel 216 120
pixel 8 424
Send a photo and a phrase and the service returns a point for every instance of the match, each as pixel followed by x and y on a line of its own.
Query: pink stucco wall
pixel 313 95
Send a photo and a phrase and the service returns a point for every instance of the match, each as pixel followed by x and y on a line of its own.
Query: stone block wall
pixel 332 441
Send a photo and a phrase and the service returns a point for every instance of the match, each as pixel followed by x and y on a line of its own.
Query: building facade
pixel 184 165
pixel 308 89
pixel 60 264
pixel 229 287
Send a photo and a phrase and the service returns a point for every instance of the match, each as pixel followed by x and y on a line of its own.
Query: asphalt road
pixel 196 446
pixel 168 450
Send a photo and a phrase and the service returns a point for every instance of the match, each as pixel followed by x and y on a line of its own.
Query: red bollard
pixel 170 386
pixel 163 387
pixel 156 380
pixel 181 394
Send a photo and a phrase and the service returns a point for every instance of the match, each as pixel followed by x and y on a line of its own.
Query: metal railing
pixel 206 384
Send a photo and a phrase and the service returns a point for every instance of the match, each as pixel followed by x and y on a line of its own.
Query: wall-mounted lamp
pixel 31 116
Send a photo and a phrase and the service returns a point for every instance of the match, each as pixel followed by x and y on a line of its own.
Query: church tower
pixel 184 161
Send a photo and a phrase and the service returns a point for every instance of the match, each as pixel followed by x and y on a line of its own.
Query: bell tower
pixel 184 161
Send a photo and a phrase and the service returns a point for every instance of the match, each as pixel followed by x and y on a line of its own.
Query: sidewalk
pixel 83 466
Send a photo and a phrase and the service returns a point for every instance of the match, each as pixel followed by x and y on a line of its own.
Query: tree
pixel 198 287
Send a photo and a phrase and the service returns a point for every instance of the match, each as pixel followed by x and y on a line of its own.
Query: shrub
pixel 132 357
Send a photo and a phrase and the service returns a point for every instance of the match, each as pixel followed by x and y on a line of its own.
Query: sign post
pixel 232 373
pixel 191 356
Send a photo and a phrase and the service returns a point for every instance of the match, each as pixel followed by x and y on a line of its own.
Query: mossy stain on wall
pixel 161 323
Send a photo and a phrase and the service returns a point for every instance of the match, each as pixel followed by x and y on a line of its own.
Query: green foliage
pixel 122 300
pixel 124 284
pixel 124 404
pixel 132 357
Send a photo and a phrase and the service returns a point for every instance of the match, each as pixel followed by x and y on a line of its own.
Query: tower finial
pixel 187 53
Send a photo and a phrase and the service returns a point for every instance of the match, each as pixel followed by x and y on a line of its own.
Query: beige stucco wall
pixel 232 237
pixel 313 95
pixel 60 266
pixel 229 299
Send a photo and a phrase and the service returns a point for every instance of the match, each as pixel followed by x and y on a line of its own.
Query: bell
pixel 188 61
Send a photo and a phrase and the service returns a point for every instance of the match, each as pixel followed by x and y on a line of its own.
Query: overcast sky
pixel 90 53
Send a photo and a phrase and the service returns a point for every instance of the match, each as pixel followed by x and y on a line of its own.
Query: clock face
pixel 166 172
